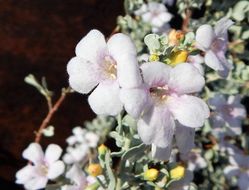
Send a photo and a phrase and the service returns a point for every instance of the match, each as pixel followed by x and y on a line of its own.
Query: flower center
pixel 43 169
pixel 159 94
pixel 110 67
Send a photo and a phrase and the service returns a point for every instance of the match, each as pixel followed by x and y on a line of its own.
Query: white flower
pixel 214 43
pixel 79 145
pixel 156 14
pixel 43 168
pixel 227 112
pixel 166 99
pixel 197 61
pixel 106 66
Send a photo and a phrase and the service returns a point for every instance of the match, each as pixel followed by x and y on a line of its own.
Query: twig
pixel 186 20
pixel 50 114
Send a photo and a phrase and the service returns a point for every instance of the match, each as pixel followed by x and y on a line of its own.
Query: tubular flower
pixel 214 43
pixel 166 90
pixel 106 66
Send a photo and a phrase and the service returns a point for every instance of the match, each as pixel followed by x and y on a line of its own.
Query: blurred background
pixel 39 37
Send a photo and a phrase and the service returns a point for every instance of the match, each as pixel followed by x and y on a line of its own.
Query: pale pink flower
pixel 214 43
pixel 106 66
pixel 155 14
pixel 44 167
pixel 228 112
pixel 166 92
pixel 197 61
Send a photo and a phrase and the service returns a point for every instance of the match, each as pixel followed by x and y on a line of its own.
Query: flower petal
pixel 135 100
pixel 123 50
pixel 91 46
pixel 104 100
pixel 34 153
pixel 204 37
pixel 52 153
pixel 25 174
pixel 156 127
pixel 155 73
pixel 243 181
pixel 212 61
pixel 185 78
pixel 55 169
pixel 83 75
pixel 161 153
pixel 185 137
pixel 222 26
pixel 188 110
pixel 36 183
pixel 76 175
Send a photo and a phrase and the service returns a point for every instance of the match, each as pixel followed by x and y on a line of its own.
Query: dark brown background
pixel 39 37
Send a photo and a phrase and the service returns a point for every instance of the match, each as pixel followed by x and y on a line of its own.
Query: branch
pixel 50 114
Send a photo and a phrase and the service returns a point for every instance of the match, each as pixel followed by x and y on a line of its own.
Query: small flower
pixel 166 92
pixel 175 36
pixel 177 173
pixel 183 183
pixel 178 57
pixel 214 43
pixel 43 168
pixel 151 174
pixel 156 14
pixel 229 112
pixel 106 66
pixel 94 170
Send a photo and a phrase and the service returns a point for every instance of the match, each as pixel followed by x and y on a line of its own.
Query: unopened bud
pixel 94 170
pixel 175 36
pixel 178 57
pixel 178 172
pixel 151 174
pixel 102 149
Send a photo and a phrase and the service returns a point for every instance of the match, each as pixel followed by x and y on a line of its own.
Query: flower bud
pixel 175 36
pixel 102 149
pixel 151 174
pixel 94 169
pixel 178 57
pixel 154 57
pixel 178 172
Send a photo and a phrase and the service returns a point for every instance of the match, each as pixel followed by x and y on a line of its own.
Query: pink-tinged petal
pixel 56 169
pixel 185 78
pixel 91 46
pixel 155 73
pixel 190 111
pixel 76 175
pixel 25 174
pixel 34 153
pixel 243 181
pixel 104 100
pixel 123 50
pixel 165 17
pixel 156 126
pixel 161 153
pixel 52 153
pixel 185 137
pixel 36 183
pixel 204 37
pixel 222 26
pixel 135 100
pixel 83 75
pixel 213 61
pixel 240 160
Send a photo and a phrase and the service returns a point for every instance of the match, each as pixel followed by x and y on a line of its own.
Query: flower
pixel 79 145
pixel 228 112
pixel 196 60
pixel 151 174
pixel 94 170
pixel 239 167
pixel 183 183
pixel 43 168
pixel 214 43
pixel 156 14
pixel 106 66
pixel 166 90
